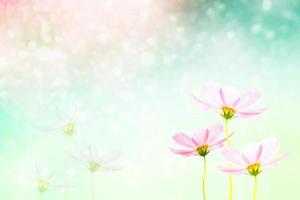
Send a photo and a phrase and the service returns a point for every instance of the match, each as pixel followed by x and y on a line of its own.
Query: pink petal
pixel 233 170
pixel 246 159
pixel 270 145
pixel 249 153
pixel 214 132
pixel 229 95
pixel 211 92
pixel 184 152
pixel 207 105
pixel 220 141
pixel 206 134
pixel 246 114
pixel 259 152
pixel 249 99
pixel 235 103
pixel 275 161
pixel 199 136
pixel 233 156
pixel 184 140
pixel 222 96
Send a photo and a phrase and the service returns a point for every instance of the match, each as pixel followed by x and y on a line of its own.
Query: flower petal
pixel 211 92
pixel 250 113
pixel 109 157
pixel 275 161
pixel 111 168
pixel 199 137
pixel 249 152
pixel 220 141
pixel 248 99
pixel 233 170
pixel 259 152
pixel 183 140
pixel 214 132
pixel 207 105
pixel 222 96
pixel 184 152
pixel 229 95
pixel 233 156
pixel 270 145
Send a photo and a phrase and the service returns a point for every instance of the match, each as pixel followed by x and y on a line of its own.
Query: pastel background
pixel 125 70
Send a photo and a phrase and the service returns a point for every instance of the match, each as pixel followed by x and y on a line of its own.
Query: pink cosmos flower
pixel 253 158
pixel 201 143
pixel 228 101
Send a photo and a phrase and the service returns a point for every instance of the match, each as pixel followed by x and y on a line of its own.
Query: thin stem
pixel 255 188
pixel 40 196
pixel 66 196
pixel 92 186
pixel 203 178
pixel 227 134
pixel 230 187
pixel 228 146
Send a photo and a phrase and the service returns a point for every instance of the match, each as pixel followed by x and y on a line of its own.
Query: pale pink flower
pixel 201 142
pixel 253 158
pixel 229 101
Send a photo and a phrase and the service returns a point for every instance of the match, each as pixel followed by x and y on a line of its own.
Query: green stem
pixel 92 187
pixel 203 178
pixel 255 188
pixel 229 146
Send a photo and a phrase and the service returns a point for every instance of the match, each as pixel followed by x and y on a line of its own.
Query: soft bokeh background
pixel 127 70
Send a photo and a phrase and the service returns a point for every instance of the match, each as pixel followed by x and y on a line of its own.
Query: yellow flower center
pixel 69 129
pixel 254 169
pixel 227 112
pixel 202 150
pixel 93 166
pixel 42 185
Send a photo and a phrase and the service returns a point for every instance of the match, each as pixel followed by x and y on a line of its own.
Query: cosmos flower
pixel 228 101
pixel 254 158
pixel 95 161
pixel 42 180
pixel 201 143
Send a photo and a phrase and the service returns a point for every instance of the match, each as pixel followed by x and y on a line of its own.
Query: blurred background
pixel 124 72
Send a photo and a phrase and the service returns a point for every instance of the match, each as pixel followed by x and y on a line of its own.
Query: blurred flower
pixel 95 161
pixel 228 101
pixel 42 180
pixel 201 143
pixel 69 129
pixel 253 158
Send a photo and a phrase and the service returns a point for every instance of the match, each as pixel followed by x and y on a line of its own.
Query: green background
pixel 133 94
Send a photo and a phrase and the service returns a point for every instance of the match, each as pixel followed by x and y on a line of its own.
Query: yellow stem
pixel 227 134
pixel 229 146
pixel 255 188
pixel 203 178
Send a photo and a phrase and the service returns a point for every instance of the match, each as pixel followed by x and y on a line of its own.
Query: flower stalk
pixel 93 195
pixel 203 178
pixel 255 188
pixel 230 183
